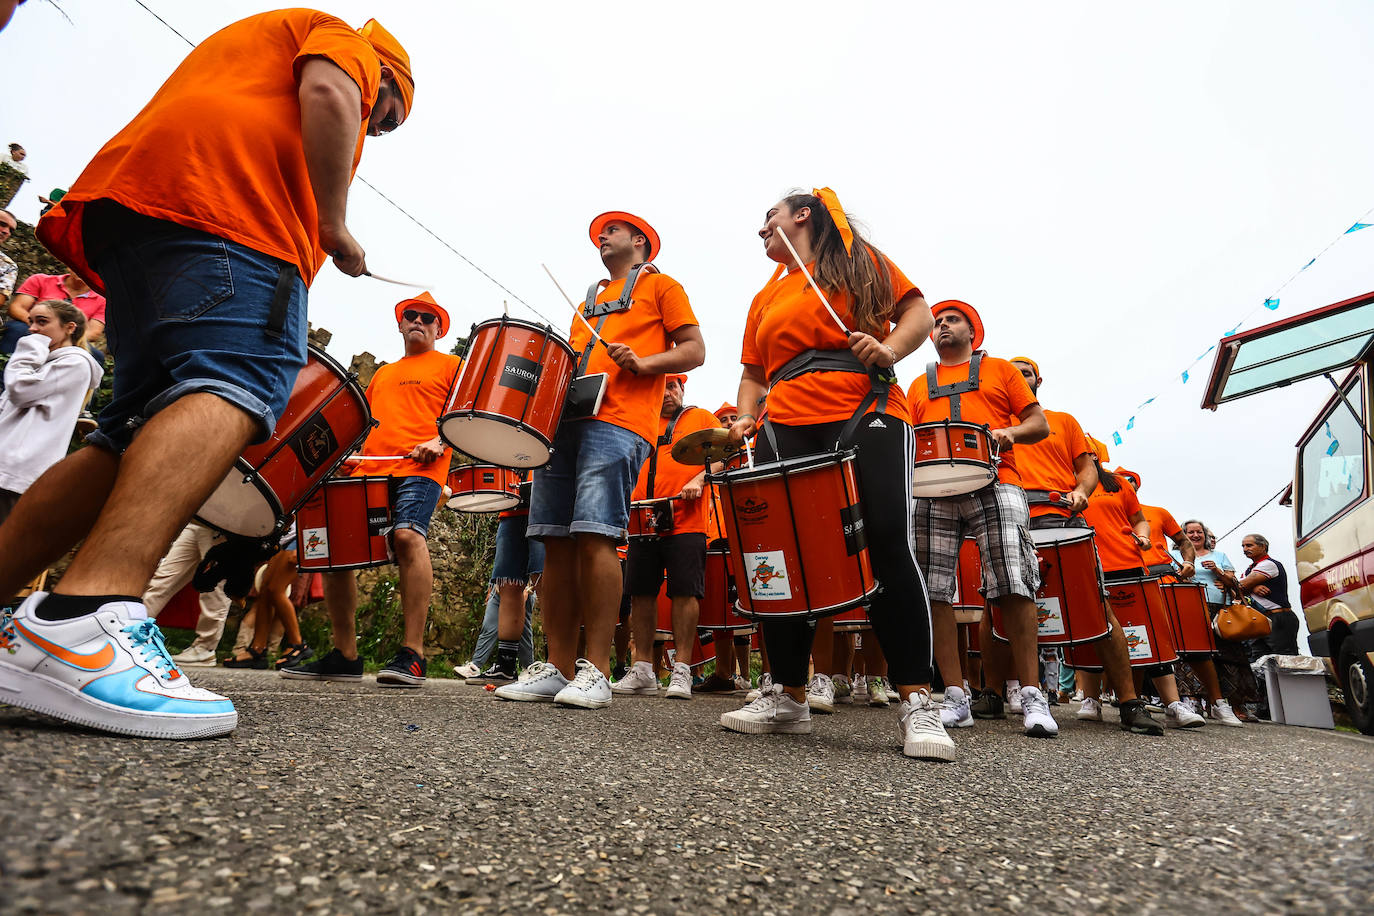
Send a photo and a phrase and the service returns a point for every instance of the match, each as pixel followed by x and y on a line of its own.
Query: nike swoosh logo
pixel 93 661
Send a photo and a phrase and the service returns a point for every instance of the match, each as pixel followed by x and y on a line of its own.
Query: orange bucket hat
pixel 677 377
pixel 394 56
pixel 969 313
pixel 620 216
pixel 1132 476
pixel 726 409
pixel 1029 362
pixel 1100 449
pixel 425 303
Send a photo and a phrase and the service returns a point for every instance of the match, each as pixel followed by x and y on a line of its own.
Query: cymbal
pixel 704 445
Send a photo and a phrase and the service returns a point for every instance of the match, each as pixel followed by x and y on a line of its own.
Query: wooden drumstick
pixel 809 279
pixel 577 311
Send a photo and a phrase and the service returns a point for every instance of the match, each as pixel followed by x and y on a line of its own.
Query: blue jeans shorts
pixel 413 503
pixel 586 486
pixel 191 312
pixel 518 559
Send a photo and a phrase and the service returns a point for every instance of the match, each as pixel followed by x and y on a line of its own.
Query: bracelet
pixel 893 352
pixel 749 415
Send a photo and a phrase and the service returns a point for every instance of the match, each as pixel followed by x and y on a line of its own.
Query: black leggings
pixel 900 609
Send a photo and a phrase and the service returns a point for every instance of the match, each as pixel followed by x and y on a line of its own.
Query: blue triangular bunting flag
pixel 1357 227
pixel 1272 304
pixel 1185 376
pixel 1116 438
pixel 1130 424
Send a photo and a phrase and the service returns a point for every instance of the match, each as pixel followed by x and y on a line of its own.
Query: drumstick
pixel 376 457
pixel 749 454
pixel 809 279
pixel 577 311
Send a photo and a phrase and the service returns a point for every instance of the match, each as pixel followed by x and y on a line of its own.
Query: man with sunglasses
pixel 203 222
pixel 406 398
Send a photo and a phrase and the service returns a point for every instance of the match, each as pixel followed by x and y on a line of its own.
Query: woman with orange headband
pixel 820 382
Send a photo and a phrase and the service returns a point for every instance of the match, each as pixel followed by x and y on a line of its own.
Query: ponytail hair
pixel 66 313
pixel 864 276
pixel 1111 483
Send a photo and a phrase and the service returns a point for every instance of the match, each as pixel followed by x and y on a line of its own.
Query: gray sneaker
pixel 922 733
pixel 774 712
pixel 820 693
pixel 588 690
pixel 539 683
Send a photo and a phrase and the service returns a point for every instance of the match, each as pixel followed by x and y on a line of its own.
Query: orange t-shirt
pixel 406 398
pixel 1163 529
pixel 1001 398
pixel 787 318
pixel 689 516
pixel 1109 514
pixel 219 149
pixel 658 308
pixel 1049 463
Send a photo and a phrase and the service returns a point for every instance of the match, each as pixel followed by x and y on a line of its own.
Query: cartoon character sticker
pixel 1050 617
pixel 768 580
pixel 1138 642
pixel 316 541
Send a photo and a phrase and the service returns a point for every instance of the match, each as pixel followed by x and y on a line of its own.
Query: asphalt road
pixel 351 799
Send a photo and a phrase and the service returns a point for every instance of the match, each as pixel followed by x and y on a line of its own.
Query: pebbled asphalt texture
pixel 334 798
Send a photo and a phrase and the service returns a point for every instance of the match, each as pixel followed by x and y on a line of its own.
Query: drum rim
pixel 1081 534
pixel 507 321
pixel 342 566
pixel 950 424
pixel 514 501
pixel 810 613
pixel 783 466
pixel 545 442
pixel 259 483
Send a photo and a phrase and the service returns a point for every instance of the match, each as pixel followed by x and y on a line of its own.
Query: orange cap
pixel 1029 362
pixel 677 377
pixel 969 313
pixel 620 216
pixel 394 56
pixel 1132 476
pixel 1100 449
pixel 726 409
pixel 425 303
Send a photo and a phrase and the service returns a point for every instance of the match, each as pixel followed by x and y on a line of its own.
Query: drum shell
pixel 509 398
pixel 952 459
pixel 478 488
pixel 796 535
pixel 718 606
pixel 975 640
pixel 1190 623
pixel 968 583
pixel 641 525
pixel 325 419
pixel 344 524
pixel 1139 607
pixel 856 618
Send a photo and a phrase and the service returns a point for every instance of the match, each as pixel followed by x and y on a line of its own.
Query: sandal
pixel 257 659
pixel 294 655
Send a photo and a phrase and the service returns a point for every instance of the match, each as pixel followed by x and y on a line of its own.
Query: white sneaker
pixel 539 683
pixel 1039 722
pixel 1078 696
pixel 470 670
pixel 1222 714
pixel 680 686
pixel 1178 715
pixel 765 685
pixel 877 692
pixel 844 691
pixel 820 693
pixel 108 670
pixel 955 711
pixel 741 684
pixel 589 689
pixel 638 680
pixel 923 734
pixel 892 695
pixel 774 712
pixel 193 657
pixel 1090 710
pixel 860 687
pixel 1014 698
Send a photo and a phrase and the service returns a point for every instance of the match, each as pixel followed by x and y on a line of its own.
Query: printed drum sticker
pixel 316 541
pixel 1138 642
pixel 1050 617
pixel 768 579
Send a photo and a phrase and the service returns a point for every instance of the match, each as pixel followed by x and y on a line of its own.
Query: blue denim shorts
pixel 586 485
pixel 518 559
pixel 189 312
pixel 413 503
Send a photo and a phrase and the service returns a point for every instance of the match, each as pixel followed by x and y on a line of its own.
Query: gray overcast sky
pixel 1112 186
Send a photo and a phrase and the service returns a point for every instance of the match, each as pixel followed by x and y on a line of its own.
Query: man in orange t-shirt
pixel 968 386
pixel 679 552
pixel 202 222
pixel 1163 529
pixel 407 397
pixel 580 506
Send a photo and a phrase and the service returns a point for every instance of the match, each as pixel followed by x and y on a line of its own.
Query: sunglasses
pixel 425 317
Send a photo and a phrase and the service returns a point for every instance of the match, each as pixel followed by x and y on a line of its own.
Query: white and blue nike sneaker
pixel 108 670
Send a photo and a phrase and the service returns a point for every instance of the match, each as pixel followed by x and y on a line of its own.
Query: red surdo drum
pixel 1190 624
pixel 718 612
pixel 853 620
pixel 953 458
pixel 511 393
pixel 1139 606
pixel 326 418
pixel 968 583
pixel 797 538
pixel 483 488
pixel 343 524
pixel 1069 606
pixel 650 518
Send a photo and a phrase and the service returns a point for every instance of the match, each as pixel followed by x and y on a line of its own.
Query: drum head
pixel 1047 536
pixel 950 480
pixel 484 501
pixel 239 506
pixel 496 439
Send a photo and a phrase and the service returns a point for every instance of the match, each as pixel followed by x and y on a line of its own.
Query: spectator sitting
pixel 66 286
pixel 9 271
pixel 15 157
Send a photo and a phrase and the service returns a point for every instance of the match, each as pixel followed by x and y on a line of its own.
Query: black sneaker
pixel 493 675
pixel 1136 719
pixel 257 659
pixel 332 667
pixel 989 705
pixel 407 669
pixel 717 684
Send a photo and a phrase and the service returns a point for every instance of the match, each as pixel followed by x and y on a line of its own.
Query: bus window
pixel 1332 464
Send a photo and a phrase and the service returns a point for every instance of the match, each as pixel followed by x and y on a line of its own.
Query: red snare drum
pixel 1069 606
pixel 718 612
pixel 510 396
pixel 953 459
pixel 650 519
pixel 343 525
pixel 1083 657
pixel 797 539
pixel 968 583
pixel 326 418
pixel 1190 624
pixel 1139 606
pixel 483 488
pixel 856 618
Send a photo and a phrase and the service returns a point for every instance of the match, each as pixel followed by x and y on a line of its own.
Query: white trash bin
pixel 1297 690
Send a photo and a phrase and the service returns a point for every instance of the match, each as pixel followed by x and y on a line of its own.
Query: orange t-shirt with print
pixel 1001 398
pixel 658 307
pixel 1049 463
pixel 406 398
pixel 219 148
pixel 1109 514
pixel 1163 529
pixel 689 516
pixel 786 319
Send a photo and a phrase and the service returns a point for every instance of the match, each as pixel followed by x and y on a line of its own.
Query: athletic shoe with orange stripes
pixel 108 670
pixel 407 669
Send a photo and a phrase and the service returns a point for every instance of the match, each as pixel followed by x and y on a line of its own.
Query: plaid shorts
pixel 999 520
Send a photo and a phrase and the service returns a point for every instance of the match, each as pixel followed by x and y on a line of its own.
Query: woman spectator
pixel 1215 570
pixel 46 382
pixel 273 605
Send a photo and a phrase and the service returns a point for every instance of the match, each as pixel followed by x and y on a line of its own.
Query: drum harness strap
pixel 665 439
pixel 879 379
pixel 601 311
pixel 281 297
pixel 952 391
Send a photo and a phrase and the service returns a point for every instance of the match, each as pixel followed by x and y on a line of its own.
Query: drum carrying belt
pixel 838 361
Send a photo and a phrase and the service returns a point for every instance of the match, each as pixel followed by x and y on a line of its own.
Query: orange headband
pixel 832 204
